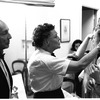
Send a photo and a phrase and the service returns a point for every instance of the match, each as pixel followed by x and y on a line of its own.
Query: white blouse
pixel 45 71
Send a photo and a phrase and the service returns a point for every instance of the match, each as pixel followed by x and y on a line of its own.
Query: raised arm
pixel 75 66
pixel 82 48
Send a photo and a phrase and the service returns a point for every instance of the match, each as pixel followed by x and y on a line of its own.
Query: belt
pixel 50 94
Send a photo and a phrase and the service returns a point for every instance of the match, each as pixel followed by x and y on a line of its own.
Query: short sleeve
pixel 58 66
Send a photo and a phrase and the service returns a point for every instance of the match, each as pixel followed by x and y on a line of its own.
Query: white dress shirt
pixel 45 71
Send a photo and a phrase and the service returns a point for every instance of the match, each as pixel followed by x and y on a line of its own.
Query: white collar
pixel 43 51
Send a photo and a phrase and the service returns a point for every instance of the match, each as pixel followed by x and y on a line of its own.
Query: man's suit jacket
pixel 4 86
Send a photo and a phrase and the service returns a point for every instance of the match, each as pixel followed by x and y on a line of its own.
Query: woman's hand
pixel 93 69
pixel 91 84
pixel 72 56
pixel 90 36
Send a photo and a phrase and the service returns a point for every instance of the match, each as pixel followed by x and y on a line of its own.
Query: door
pixel 89 20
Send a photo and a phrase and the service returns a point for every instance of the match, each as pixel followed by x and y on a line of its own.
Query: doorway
pixel 89 20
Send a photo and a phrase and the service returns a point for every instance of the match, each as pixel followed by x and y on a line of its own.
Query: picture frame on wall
pixel 64 30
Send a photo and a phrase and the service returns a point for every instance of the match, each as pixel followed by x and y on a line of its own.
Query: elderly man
pixel 46 71
pixel 5 75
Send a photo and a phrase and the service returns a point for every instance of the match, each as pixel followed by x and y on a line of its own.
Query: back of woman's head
pixel 41 33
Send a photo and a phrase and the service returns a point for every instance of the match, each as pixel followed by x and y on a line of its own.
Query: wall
pixel 95 4
pixel 62 10
pixel 15 16
pixel 91 3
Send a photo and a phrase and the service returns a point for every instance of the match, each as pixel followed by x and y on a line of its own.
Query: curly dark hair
pixel 41 33
pixel 75 42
